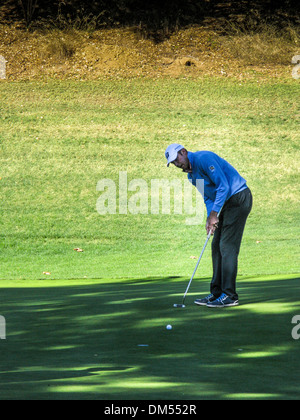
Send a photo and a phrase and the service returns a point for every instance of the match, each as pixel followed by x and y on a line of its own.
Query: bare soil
pixel 124 53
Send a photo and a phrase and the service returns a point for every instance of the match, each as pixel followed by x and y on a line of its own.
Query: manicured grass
pixel 74 333
pixel 80 340
pixel 58 139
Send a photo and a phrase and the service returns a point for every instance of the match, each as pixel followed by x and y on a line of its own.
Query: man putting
pixel 229 202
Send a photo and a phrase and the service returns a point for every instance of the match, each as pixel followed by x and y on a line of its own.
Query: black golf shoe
pixel 205 301
pixel 222 302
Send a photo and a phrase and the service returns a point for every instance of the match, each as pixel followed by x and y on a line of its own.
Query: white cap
pixel 172 152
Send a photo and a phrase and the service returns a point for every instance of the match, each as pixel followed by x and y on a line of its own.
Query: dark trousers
pixel 227 242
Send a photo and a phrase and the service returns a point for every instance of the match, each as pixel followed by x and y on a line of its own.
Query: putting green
pixel 82 340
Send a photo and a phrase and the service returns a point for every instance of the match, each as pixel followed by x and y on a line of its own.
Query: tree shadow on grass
pixel 109 341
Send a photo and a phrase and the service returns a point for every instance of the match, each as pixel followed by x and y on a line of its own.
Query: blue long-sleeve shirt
pixel 221 180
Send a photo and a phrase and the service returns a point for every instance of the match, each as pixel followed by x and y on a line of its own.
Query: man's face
pixel 182 161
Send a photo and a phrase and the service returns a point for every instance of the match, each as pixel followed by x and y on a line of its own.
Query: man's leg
pixel 235 216
pixel 216 284
pixel 227 242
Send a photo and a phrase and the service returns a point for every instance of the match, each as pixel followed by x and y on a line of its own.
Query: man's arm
pixel 217 176
pixel 210 166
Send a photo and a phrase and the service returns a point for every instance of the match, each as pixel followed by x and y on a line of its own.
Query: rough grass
pixel 267 45
pixel 192 52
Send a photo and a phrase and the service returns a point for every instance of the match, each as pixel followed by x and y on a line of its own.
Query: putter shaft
pixel 197 265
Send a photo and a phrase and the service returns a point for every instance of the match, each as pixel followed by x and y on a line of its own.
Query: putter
pixel 182 305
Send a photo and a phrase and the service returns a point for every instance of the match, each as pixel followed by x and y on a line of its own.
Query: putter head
pixel 177 305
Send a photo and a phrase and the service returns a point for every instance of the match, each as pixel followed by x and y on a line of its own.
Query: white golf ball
pixel 169 327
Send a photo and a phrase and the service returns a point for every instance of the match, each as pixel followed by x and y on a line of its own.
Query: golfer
pixel 228 201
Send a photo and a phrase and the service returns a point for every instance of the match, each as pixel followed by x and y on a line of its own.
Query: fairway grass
pixel 75 320
pixel 81 339
pixel 59 139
